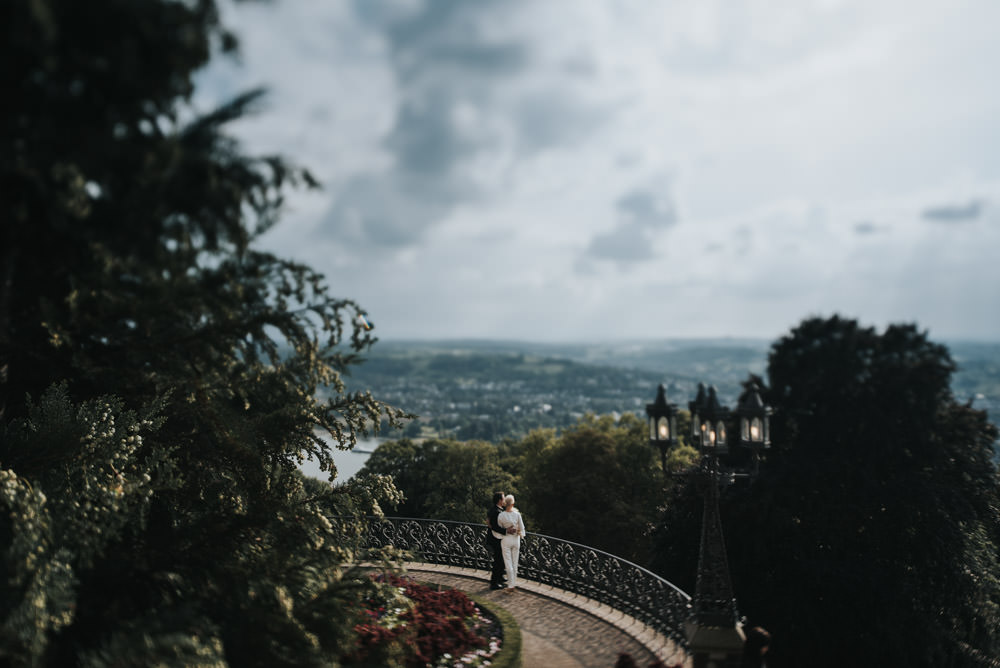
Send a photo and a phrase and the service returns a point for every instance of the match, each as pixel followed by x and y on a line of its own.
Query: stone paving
pixel 561 630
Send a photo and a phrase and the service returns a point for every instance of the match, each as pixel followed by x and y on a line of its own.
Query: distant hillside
pixel 978 375
pixel 492 390
pixel 497 389
pixel 722 362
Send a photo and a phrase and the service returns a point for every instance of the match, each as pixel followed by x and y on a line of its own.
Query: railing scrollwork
pixel 569 566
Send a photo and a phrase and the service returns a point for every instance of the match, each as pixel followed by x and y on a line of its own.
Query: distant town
pixel 495 390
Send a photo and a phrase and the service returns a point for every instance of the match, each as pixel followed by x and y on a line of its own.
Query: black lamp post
pixel 708 422
pixel 755 425
pixel 662 425
pixel 715 637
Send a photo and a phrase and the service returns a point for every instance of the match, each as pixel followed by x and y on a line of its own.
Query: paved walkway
pixel 562 630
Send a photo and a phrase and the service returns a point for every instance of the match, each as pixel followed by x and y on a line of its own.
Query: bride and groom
pixel 506 528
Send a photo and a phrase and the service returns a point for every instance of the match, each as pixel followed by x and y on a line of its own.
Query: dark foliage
pixel 871 535
pixel 158 373
pixel 441 479
pixel 438 622
pixel 597 484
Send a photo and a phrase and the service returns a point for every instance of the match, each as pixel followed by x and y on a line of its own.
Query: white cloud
pixel 593 169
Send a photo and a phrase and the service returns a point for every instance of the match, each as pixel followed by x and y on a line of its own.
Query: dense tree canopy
pixel 599 483
pixel 871 536
pixel 442 479
pixel 158 372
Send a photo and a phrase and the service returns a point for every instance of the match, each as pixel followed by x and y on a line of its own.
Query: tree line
pixel 596 483
pixel 151 422
pixel 869 537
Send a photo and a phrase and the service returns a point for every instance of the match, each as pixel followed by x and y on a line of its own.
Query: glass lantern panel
pixel 652 429
pixel 720 430
pixel 756 432
pixel 664 429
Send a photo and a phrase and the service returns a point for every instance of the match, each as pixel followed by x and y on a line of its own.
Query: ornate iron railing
pixel 569 566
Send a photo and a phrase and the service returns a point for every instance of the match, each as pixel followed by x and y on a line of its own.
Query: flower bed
pixel 441 628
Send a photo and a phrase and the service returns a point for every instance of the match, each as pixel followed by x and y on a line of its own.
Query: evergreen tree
pixel 598 484
pixel 442 479
pixel 871 535
pixel 158 473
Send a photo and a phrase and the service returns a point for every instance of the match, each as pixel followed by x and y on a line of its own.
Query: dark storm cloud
pixel 641 213
pixel 954 213
pixel 627 243
pixel 441 63
pixel 390 212
pixel 553 118
pixel 442 34
pixel 647 209
pixel 424 140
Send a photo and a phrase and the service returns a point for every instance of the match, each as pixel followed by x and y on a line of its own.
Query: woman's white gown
pixel 510 546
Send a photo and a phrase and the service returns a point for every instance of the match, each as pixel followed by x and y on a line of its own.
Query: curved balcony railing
pixel 569 566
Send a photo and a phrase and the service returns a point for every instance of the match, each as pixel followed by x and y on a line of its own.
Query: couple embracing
pixel 504 540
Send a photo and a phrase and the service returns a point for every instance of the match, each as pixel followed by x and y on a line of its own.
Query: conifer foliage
pixel 871 536
pixel 159 374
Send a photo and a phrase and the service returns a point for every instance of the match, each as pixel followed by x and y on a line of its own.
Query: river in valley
pixel 348 462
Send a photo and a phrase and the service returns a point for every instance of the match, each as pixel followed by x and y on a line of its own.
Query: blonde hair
pixel 508 501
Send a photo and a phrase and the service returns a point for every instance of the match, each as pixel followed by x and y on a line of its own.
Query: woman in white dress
pixel 510 546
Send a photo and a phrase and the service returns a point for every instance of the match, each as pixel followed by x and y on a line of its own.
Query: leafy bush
pixel 151 508
pixel 438 628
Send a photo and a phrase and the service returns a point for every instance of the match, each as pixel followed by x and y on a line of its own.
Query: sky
pixel 593 170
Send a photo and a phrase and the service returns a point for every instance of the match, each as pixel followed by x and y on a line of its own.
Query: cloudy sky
pixel 567 170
